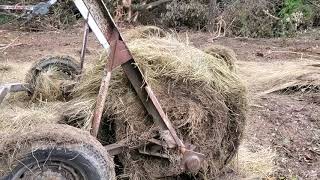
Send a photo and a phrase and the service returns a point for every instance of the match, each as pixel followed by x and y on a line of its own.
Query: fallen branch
pixel 270 15
pixel 8 45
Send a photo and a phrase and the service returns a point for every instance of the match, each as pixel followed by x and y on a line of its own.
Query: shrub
pixel 190 13
pixel 250 18
pixel 295 15
pixel 5 18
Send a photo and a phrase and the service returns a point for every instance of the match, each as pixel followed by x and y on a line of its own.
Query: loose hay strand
pixel 19 117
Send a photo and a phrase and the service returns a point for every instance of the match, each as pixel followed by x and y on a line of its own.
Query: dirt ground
pixel 282 138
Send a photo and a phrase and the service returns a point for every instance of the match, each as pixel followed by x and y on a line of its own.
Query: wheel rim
pixel 53 170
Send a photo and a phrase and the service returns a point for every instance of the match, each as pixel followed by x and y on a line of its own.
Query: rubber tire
pixel 65 63
pixel 61 143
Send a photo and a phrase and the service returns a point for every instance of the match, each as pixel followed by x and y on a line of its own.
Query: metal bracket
pixel 14 87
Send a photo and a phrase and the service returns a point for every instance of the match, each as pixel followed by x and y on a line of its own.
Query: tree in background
pixel 248 18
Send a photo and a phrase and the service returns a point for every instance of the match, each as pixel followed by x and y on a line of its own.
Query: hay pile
pixel 223 53
pixel 17 117
pixel 49 85
pixel 296 78
pixel 203 98
pixel 12 72
pixel 17 113
pixel 52 77
pixel 143 32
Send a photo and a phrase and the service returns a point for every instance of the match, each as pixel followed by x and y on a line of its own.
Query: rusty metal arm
pixel 120 55
pixel 14 87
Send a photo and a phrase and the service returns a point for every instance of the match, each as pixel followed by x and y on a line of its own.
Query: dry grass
pixel 258 162
pixel 49 85
pixel 301 78
pixel 78 112
pixel 5 67
pixel 19 116
pixel 17 112
pixel 201 96
pixel 12 72
pixel 143 32
pixel 224 53
pixel 281 77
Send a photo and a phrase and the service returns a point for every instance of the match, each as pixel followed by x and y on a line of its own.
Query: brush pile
pixel 202 97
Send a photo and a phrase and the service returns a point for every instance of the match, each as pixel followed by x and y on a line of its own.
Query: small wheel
pixel 65 64
pixel 55 152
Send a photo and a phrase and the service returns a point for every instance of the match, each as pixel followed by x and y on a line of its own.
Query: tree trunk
pixel 212 15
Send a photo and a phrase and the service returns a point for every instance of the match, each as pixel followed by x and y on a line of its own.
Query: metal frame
pixel 13 87
pixel 101 23
pixel 41 8
pixel 120 56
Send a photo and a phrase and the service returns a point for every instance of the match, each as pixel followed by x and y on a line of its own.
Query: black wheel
pixel 65 64
pixel 55 152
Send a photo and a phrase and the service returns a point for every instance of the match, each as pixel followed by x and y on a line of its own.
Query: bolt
pixel 193 164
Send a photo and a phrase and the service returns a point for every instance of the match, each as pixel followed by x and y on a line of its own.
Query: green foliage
pixel 292 6
pixel 295 15
pixel 5 18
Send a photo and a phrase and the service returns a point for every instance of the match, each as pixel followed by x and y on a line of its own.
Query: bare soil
pixel 289 124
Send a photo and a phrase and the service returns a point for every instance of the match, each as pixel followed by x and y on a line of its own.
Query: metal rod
pixel 103 92
pixel 94 23
pixel 115 149
pixel 164 117
pixel 16 7
pixel 101 99
pixel 14 87
pixel 3 93
pixel 84 43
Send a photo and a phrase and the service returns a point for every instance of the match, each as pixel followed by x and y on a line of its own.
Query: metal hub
pixel 49 171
